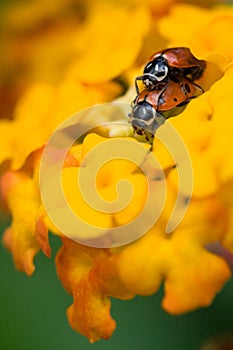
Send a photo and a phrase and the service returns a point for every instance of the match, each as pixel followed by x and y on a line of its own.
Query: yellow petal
pixel 105 53
pixel 203 279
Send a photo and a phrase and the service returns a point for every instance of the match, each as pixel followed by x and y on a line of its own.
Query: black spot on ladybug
pixel 175 99
pixel 187 88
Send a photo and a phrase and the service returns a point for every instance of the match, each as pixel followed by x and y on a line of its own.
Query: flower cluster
pixel 97 62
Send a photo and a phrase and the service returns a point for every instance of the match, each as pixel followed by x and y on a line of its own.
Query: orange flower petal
pixel 88 274
pixel 19 238
pixel 41 234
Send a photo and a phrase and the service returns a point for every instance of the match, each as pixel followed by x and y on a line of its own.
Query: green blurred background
pixel 33 315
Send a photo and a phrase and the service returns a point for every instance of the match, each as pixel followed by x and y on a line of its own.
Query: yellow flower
pixel 99 62
pixel 203 36
pixel 48 43
pixel 37 45
pixel 106 180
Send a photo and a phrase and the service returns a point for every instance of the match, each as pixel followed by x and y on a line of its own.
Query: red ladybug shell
pixel 171 97
pixel 179 57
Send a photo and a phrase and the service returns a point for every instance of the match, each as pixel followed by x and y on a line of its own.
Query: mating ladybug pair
pixel 169 79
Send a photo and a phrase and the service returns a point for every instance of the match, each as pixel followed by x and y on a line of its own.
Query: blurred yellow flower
pixel 96 48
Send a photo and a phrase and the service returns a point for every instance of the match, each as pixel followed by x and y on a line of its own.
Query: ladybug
pixel 171 64
pixel 151 108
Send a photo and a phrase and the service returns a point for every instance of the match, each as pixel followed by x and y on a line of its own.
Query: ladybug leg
pixel 197 72
pixel 184 89
pixel 159 100
pixel 199 87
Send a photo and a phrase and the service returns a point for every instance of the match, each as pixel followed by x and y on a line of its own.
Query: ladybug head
pixel 145 118
pixel 155 71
